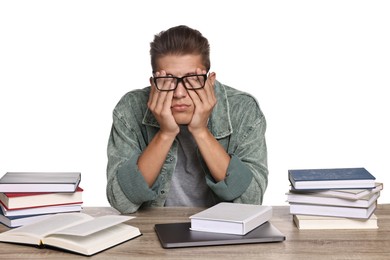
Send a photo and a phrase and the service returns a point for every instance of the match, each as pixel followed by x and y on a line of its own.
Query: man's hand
pixel 204 101
pixel 159 104
pixel 215 156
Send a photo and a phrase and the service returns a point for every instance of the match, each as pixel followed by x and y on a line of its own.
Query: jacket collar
pixel 219 122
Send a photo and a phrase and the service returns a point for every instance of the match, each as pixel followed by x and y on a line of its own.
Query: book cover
pixel 75 232
pixel 337 178
pixel 331 211
pixel 314 198
pixel 231 218
pixel 40 181
pixel 23 200
pixel 305 222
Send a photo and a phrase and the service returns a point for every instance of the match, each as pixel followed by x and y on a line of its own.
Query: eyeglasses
pixel 190 82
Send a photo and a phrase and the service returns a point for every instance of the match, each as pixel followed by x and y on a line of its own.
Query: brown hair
pixel 180 40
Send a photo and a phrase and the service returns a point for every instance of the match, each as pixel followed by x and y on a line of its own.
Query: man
pixel 187 140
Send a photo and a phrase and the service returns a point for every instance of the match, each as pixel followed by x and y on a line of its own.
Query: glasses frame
pixel 178 80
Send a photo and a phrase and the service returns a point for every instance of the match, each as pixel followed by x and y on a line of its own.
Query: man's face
pixel 182 105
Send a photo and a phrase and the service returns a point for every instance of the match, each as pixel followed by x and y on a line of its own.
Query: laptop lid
pixel 175 235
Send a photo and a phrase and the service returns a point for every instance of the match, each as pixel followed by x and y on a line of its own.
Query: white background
pixel 319 69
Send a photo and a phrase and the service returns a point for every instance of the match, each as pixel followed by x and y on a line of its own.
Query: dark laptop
pixel 175 235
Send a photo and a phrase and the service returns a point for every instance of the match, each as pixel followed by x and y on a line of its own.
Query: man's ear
pixel 212 77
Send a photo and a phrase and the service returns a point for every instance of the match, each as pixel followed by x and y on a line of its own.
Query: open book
pixel 76 232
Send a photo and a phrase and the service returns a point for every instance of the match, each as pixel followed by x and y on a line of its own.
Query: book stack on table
pixel 341 198
pixel 225 223
pixel 27 197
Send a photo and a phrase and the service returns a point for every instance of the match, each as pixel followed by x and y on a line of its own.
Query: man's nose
pixel 180 91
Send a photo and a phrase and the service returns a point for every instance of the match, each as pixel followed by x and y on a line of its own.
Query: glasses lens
pixel 194 81
pixel 165 83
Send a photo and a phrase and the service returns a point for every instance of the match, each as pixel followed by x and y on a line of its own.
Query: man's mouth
pixel 180 107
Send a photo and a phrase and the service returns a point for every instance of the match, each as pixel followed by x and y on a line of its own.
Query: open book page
pixel 93 225
pixel 33 233
pixel 95 242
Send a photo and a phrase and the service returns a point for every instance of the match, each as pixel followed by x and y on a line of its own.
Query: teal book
pixel 336 178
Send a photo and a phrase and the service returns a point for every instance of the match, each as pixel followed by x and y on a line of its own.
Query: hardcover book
pixel 40 210
pixel 351 194
pixel 75 232
pixel 331 211
pixel 21 200
pixel 313 198
pixel 338 178
pixel 231 218
pixel 40 181
pixel 317 222
pixel 17 221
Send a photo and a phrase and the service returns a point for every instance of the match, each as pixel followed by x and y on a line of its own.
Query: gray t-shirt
pixel 188 185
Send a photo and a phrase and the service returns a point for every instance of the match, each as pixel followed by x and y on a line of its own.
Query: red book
pixel 40 199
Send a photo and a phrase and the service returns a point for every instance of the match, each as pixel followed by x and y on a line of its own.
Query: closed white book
pixel 314 198
pixel 331 211
pixel 304 222
pixel 231 218
pixel 351 194
pixel 40 210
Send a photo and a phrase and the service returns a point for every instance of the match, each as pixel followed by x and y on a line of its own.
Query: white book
pixel 314 198
pixel 40 210
pixel 76 232
pixel 304 222
pixel 231 218
pixel 352 194
pixel 331 211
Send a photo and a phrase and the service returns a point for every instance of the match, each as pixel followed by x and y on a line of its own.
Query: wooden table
pixel 299 244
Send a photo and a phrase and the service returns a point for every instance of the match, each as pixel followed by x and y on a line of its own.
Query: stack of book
pixel 27 197
pixel 225 223
pixel 341 198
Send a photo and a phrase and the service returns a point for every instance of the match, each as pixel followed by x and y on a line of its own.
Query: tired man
pixel 187 140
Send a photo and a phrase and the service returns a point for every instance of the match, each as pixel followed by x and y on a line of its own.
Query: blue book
pixel 16 221
pixel 338 178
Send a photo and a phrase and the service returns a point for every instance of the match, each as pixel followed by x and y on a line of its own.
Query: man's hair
pixel 180 40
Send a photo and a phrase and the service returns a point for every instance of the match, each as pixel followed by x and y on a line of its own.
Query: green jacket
pixel 236 122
